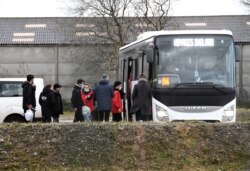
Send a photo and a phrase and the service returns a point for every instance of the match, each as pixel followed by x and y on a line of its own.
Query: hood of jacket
pixel 77 87
pixel 104 82
pixel 46 91
pixel 25 84
pixel 142 80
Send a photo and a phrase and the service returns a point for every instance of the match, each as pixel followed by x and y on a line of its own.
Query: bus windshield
pixel 195 59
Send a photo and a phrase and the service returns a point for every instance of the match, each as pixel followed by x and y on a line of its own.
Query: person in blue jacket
pixel 104 93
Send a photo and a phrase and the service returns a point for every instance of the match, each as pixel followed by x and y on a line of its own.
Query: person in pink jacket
pixel 117 103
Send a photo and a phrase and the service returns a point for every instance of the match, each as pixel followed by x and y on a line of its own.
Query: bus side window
pixel 135 69
pixel 122 71
pixel 146 67
pixel 125 70
pixel 140 64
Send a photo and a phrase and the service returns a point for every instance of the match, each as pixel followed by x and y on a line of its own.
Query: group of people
pixel 90 104
pixel 50 100
pixel 105 99
pixel 102 100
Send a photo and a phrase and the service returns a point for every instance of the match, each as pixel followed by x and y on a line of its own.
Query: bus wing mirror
pixel 150 52
pixel 237 53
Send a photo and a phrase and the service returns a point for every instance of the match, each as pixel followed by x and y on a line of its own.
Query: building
pixel 58 50
pixel 50 48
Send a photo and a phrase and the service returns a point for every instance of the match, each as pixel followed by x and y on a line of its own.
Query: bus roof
pixel 150 34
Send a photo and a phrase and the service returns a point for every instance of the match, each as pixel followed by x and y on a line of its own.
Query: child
pixel 117 103
pixel 86 113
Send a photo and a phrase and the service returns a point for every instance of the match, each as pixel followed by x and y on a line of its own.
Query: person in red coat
pixel 117 107
pixel 88 98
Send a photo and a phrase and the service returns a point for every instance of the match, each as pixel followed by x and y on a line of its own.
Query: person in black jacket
pixel 45 100
pixel 142 97
pixel 57 103
pixel 76 100
pixel 29 89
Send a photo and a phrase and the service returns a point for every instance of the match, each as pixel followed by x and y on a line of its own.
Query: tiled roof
pixel 238 24
pixel 64 30
pixel 56 30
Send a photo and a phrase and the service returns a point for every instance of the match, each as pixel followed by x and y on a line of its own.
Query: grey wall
pixel 243 73
pixel 19 61
pixel 63 64
pixel 66 64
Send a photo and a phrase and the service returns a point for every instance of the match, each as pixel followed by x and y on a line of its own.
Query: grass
pixel 68 114
pixel 243 115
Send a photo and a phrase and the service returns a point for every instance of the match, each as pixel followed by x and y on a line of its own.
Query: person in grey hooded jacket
pixel 104 93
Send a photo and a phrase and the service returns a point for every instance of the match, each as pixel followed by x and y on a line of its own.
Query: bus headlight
pixel 161 114
pixel 228 114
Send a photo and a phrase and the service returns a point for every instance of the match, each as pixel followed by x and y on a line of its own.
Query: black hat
pixel 56 85
pixel 117 83
pixel 30 77
pixel 80 81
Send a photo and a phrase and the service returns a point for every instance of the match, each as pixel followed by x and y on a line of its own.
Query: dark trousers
pixel 141 117
pixel 55 117
pixel 117 117
pixel 138 115
pixel 103 114
pixel 94 116
pixel 78 115
pixel 46 118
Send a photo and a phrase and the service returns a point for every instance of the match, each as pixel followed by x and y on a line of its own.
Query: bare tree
pixel 152 14
pixel 246 2
pixel 112 14
pixel 111 24
pixel 117 21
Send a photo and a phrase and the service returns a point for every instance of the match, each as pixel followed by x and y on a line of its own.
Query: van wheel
pixel 15 118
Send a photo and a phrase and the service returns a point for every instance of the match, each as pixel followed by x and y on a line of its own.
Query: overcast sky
pixel 58 8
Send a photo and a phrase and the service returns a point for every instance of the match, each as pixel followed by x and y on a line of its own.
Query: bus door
pixel 129 76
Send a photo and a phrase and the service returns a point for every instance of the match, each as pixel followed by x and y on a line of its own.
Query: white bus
pixel 192 73
pixel 11 99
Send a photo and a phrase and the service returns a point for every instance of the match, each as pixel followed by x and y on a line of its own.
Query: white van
pixel 11 99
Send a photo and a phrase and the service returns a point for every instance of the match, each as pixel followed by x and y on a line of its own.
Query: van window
pixel 11 89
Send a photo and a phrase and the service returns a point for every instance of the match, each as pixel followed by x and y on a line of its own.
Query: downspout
pixel 241 75
pixel 57 64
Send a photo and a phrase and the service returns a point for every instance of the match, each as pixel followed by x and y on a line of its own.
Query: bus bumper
pixel 224 114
